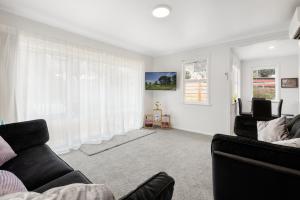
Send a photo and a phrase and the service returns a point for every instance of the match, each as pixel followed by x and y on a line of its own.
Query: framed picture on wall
pixel 289 83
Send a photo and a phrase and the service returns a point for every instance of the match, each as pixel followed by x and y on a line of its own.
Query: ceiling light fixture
pixel 161 11
pixel 271 47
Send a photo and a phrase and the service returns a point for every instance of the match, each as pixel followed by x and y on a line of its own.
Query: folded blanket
pixel 69 192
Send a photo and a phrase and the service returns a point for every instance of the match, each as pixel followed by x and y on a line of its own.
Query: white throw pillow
pixel 6 152
pixel 77 191
pixel 291 143
pixel 9 183
pixel 272 131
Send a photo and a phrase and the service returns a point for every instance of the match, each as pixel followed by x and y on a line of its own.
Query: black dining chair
pixel 262 110
pixel 279 109
pixel 255 98
pixel 241 113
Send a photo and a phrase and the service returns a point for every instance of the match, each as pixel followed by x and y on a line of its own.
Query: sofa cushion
pixel 6 153
pixel 76 191
pixel 271 131
pixel 290 143
pixel 293 125
pixel 9 183
pixel 297 134
pixel 37 166
pixel 69 178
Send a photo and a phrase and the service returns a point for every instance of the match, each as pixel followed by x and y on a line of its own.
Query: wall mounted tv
pixel 160 80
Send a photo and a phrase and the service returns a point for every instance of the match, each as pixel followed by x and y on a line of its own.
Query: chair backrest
pixel 255 98
pixel 262 109
pixel 240 106
pixel 279 108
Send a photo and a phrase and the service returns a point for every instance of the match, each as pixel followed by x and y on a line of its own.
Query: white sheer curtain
pixel 86 95
pixel 8 47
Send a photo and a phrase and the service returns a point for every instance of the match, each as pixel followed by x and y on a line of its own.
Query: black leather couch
pixel 244 168
pixel 246 126
pixel 40 169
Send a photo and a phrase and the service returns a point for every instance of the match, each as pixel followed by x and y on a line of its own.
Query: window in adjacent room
pixel 236 74
pixel 196 82
pixel 264 83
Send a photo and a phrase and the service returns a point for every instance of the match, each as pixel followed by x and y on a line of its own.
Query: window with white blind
pixel 196 82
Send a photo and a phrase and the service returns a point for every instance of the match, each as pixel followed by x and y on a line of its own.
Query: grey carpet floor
pixel 183 155
pixel 92 149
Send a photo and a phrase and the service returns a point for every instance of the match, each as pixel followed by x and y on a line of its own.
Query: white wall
pixel 211 119
pixel 233 108
pixel 203 119
pixel 48 31
pixel 287 68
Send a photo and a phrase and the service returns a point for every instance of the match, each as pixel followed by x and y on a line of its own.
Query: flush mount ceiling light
pixel 161 11
pixel 271 47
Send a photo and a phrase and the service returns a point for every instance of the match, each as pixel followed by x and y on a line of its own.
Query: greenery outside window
pixel 264 83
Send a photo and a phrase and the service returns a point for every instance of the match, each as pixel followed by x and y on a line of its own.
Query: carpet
pixel 183 155
pixel 92 149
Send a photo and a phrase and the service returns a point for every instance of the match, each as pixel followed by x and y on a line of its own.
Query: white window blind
pixel 196 82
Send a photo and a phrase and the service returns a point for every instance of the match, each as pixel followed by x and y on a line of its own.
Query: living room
pixel 76 106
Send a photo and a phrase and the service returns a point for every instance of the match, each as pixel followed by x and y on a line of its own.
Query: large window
pixel 85 94
pixel 264 83
pixel 196 84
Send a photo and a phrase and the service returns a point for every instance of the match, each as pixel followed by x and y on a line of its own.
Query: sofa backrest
pixel 23 135
pixel 247 169
pixel 294 125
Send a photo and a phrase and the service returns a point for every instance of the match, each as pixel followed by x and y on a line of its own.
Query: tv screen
pixel 160 80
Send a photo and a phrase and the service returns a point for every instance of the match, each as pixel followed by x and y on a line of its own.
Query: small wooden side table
pixel 148 121
pixel 157 117
pixel 157 121
pixel 165 121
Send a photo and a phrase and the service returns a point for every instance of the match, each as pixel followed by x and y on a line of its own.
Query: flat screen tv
pixel 160 80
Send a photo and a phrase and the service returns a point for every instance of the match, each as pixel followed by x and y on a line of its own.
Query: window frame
pixel 208 103
pixel 236 81
pixel 277 82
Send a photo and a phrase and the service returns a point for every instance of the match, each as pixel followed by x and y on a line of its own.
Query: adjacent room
pixel 149 100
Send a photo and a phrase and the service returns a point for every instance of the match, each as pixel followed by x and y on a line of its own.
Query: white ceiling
pixel 129 23
pixel 268 49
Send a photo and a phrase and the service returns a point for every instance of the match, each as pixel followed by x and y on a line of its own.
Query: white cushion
pixel 6 152
pixel 75 191
pixel 9 183
pixel 272 131
pixel 291 143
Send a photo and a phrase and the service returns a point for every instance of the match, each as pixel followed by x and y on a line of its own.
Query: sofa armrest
pixel 70 178
pixel 23 135
pixel 245 126
pixel 257 150
pixel 252 169
pixel 158 187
